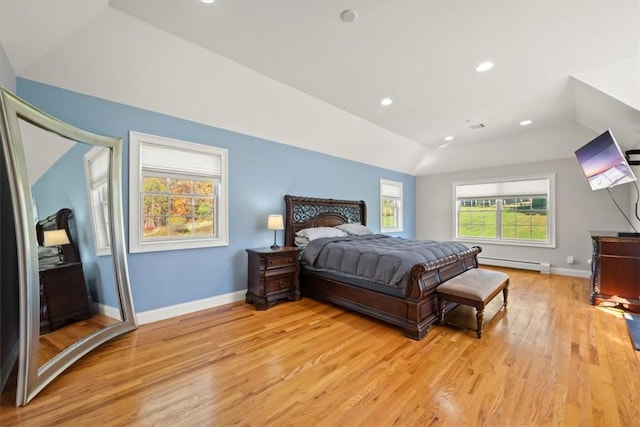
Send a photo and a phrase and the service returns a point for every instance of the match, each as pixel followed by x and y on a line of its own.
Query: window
pixel 510 211
pixel 96 165
pixel 178 194
pixel 390 206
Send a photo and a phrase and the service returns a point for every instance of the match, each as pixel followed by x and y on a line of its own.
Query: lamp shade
pixel 274 222
pixel 56 238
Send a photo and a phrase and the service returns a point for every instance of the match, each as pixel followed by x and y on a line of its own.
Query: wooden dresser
pixel 615 268
pixel 63 296
pixel 273 276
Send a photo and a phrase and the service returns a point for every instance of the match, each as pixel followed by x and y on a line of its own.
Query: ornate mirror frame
pixel 31 378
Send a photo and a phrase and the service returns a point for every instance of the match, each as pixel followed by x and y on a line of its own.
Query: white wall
pixel 119 58
pixel 578 210
pixel 7 76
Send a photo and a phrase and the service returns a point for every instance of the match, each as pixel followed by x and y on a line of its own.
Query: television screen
pixel 603 162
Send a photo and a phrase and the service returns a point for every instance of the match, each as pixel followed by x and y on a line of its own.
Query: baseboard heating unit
pixel 542 267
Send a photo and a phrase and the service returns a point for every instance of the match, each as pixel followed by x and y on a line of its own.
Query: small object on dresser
pixel 272 276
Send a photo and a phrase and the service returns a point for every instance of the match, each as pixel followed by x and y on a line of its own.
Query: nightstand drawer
pixel 278 262
pixel 280 283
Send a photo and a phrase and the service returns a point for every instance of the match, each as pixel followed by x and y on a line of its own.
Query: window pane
pixel 389 213
pixel 203 188
pixel 203 226
pixel 179 186
pixel 155 227
pixel 477 218
pixel 155 205
pixel 180 226
pixel 152 184
pixel 181 206
pixel 171 209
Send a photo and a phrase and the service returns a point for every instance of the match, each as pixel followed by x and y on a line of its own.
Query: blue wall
pixel 63 186
pixel 261 172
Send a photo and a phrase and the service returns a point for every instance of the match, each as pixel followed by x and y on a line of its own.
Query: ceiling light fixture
pixel 207 1
pixel 443 145
pixel 484 66
pixel 525 122
pixel 348 15
pixel 386 101
pixel 448 138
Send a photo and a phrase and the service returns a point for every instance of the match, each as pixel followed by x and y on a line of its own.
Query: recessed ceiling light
pixel 525 122
pixel 348 15
pixel 443 145
pixel 448 138
pixel 207 1
pixel 484 66
pixel 386 101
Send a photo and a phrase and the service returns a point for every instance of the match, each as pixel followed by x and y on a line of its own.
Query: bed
pixel 410 303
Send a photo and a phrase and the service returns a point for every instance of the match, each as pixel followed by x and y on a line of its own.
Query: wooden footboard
pixel 415 313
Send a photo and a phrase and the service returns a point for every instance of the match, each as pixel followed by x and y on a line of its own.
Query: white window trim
pixel 135 178
pixel 400 227
pixel 551 243
pixel 97 227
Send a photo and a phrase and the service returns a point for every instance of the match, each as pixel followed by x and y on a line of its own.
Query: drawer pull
pixel 290 259
pixel 281 284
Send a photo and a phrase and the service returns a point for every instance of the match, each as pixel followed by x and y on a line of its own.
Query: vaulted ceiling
pixel 572 68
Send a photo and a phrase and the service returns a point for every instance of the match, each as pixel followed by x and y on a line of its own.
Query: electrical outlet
pixel 570 260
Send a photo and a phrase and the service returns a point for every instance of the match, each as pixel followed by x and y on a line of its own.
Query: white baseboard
pixel 107 310
pixel 571 272
pixel 542 267
pixel 151 316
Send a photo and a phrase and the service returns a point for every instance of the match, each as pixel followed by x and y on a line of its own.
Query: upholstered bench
pixel 476 288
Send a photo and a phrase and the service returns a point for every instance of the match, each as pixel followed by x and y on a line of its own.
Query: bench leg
pixel 441 305
pixel 505 295
pixel 479 321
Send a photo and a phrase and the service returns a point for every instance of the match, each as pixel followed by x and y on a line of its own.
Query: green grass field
pixel 481 222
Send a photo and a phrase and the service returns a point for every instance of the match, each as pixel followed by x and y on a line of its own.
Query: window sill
pixel 546 245
pixel 176 245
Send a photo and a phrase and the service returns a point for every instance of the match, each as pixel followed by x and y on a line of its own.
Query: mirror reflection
pixel 66 207
pixel 70 188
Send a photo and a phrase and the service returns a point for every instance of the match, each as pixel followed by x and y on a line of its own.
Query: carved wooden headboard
pixel 61 220
pixel 309 212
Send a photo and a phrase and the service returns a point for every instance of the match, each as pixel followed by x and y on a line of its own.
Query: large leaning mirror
pixel 74 294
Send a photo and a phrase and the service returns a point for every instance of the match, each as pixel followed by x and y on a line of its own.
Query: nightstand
pixel 273 276
pixel 63 296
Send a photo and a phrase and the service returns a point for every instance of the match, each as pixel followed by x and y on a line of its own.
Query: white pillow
pixel 354 229
pixel 318 232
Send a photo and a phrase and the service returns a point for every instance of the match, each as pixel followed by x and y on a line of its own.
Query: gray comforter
pixel 379 258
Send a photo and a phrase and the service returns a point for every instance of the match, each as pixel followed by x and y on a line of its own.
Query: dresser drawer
pixel 624 249
pixel 280 283
pixel 271 262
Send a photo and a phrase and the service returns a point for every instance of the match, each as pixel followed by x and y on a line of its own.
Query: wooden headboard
pixel 310 212
pixel 61 220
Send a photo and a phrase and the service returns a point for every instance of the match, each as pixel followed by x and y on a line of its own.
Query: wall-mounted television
pixel 603 163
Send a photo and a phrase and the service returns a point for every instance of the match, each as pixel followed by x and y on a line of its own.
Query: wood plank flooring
pixel 549 359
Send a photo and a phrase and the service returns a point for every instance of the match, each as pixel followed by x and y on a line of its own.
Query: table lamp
pixel 275 223
pixel 57 238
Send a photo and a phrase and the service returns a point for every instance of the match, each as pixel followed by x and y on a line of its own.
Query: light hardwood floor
pixel 550 359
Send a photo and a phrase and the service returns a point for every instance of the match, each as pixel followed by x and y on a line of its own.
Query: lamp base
pixel 275 246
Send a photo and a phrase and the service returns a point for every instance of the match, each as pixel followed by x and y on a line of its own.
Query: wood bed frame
pixel 416 312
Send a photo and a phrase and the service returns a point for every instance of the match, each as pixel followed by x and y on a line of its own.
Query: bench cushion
pixel 474 284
